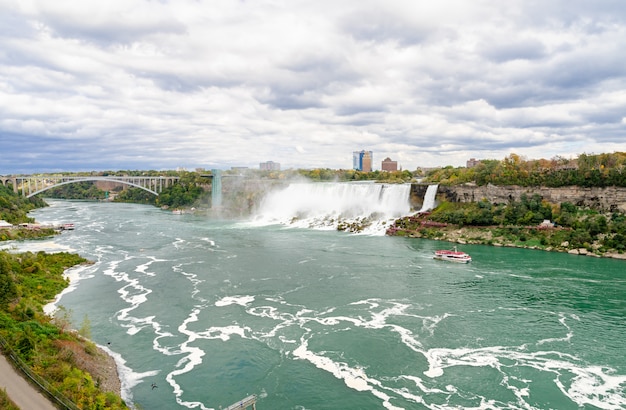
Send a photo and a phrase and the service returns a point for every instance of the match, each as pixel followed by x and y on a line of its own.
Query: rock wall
pixel 606 199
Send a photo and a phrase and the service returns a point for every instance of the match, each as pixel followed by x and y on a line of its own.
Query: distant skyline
pixel 223 83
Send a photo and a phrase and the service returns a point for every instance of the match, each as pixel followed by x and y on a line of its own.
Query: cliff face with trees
pixel 585 200
pixel 589 181
pixel 603 199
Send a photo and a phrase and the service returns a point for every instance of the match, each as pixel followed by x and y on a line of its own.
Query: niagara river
pixel 211 310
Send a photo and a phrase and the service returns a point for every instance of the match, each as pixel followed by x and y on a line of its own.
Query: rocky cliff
pixel 606 199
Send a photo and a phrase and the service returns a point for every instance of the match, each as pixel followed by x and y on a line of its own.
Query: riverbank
pixel 88 356
pixel 64 361
pixel 99 364
pixel 517 237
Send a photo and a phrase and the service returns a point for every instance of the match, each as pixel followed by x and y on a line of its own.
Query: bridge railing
pixel 32 185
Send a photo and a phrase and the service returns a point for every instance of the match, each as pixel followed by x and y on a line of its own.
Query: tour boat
pixel 452 255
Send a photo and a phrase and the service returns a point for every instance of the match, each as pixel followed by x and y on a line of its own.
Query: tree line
pixel 14 208
pixel 586 171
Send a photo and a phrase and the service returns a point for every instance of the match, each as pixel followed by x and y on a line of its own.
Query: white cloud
pixel 156 85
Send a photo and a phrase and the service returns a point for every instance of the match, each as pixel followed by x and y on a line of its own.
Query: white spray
pixel 363 207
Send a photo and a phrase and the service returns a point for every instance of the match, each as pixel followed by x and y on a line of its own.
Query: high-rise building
pixel 389 165
pixel 269 166
pixel 367 162
pixel 362 160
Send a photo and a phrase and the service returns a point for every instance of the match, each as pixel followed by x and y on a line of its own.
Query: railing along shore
pixel 53 394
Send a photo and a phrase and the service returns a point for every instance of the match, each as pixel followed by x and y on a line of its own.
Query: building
pixel 389 165
pixel 269 166
pixel 472 162
pixel 362 160
pixel 367 161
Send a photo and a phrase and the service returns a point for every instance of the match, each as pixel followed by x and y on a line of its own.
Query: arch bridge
pixel 30 185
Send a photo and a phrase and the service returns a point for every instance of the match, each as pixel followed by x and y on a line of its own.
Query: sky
pixel 161 85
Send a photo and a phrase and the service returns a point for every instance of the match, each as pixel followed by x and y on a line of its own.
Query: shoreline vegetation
pixel 530 223
pixel 72 366
pixel 5 401
pixel 529 237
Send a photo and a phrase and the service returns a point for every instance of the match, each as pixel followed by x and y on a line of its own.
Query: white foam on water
pixel 379 320
pixel 590 386
pixel 143 268
pixel 567 337
pixel 235 300
pixel 193 278
pixel 192 356
pixel 584 384
pixel 223 332
pixel 597 386
pixel 134 294
pixel 178 243
pixel 210 241
pixel 354 378
pixel 128 377
pixel 74 276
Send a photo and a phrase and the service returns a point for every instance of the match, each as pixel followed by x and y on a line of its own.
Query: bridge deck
pixel 31 185
pixel 244 404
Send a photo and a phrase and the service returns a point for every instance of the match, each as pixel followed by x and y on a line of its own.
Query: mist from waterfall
pixel 352 206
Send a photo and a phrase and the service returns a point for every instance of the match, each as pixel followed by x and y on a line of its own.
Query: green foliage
pixel 527 211
pixel 36 279
pixel 76 190
pixel 587 171
pixel 5 401
pixel 137 196
pixel 518 223
pixel 8 288
pixel 185 193
pixel 85 328
pixel 14 208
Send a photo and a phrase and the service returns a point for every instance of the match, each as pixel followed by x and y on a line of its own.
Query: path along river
pixel 212 310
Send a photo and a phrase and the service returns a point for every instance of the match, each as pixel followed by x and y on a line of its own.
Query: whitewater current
pixel 211 311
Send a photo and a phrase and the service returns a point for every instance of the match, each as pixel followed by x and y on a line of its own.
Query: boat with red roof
pixel 453 255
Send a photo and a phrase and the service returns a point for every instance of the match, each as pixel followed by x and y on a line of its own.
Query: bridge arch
pixel 121 181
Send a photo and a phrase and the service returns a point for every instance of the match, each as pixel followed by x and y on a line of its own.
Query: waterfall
pixel 216 188
pixel 429 198
pixel 357 207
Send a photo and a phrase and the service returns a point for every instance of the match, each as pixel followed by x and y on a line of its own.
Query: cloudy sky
pixel 148 84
